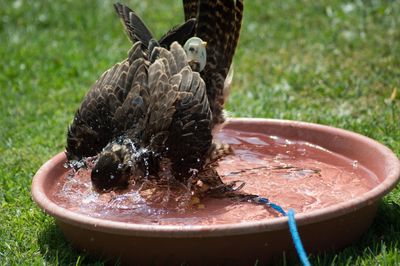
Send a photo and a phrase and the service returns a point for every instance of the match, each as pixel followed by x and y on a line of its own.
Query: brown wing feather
pixel 131 115
pixel 190 132
pixel 218 23
pixel 94 124
pixel 180 34
pixel 138 31
pixel 162 99
pixel 133 24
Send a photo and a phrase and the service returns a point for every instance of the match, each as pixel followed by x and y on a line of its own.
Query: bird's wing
pixel 180 33
pixel 92 126
pixel 134 25
pixel 162 98
pixel 131 115
pixel 218 23
pixel 190 131
pixel 94 123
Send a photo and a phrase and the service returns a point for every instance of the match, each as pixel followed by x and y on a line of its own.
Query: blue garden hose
pixel 292 228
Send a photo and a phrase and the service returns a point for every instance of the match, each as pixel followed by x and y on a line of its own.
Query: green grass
pixel 328 62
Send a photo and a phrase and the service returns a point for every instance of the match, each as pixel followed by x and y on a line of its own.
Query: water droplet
pixel 355 164
pixel 193 171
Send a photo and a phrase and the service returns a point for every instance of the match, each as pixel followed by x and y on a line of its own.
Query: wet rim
pixel 183 231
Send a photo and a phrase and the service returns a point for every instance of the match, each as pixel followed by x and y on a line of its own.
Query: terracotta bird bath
pixel 331 177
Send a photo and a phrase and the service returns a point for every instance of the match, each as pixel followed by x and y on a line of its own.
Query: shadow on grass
pixel 58 251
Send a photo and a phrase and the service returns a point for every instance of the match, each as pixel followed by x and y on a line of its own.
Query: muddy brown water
pixel 293 174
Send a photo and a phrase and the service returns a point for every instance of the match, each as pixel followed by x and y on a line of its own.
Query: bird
pixel 97 116
pixel 140 114
pixel 153 114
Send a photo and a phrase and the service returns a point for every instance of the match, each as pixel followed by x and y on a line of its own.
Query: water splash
pixel 295 174
pixel 75 164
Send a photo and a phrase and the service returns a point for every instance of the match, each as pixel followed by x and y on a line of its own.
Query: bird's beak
pixel 204 44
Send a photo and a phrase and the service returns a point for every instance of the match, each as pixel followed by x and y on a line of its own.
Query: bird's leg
pixel 218 151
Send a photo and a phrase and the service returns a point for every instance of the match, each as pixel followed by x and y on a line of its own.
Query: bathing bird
pixel 144 118
pixel 152 114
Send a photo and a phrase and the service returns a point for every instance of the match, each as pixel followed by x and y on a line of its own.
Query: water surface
pixel 293 174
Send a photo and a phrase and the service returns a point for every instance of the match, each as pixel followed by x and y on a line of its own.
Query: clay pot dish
pixel 328 228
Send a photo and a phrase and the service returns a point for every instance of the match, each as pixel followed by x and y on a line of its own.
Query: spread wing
pixel 218 23
pixel 131 115
pixel 177 121
pixel 92 126
pixel 96 121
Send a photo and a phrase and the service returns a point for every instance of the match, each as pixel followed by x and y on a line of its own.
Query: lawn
pixel 330 62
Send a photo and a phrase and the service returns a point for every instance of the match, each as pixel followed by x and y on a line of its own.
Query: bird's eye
pixel 191 49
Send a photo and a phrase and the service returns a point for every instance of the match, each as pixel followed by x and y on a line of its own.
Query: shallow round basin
pixel 331 177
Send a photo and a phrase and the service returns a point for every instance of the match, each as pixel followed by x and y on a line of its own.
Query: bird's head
pixel 196 53
pixel 112 169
